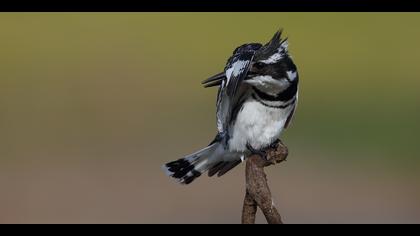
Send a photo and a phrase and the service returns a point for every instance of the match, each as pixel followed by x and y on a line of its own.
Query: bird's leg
pixel 261 153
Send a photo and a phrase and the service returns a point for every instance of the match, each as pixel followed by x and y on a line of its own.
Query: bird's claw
pixel 262 153
pixel 274 144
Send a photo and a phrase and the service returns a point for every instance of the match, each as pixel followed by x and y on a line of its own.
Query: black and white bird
pixel 257 97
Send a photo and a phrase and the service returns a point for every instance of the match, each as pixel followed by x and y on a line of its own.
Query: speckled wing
pixel 228 97
pixel 236 71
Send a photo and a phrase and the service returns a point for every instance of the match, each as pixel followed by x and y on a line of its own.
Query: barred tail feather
pixel 187 169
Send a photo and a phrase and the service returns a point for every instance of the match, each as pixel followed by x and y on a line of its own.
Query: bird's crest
pixel 275 49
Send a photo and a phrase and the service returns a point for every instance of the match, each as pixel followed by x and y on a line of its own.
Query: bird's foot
pixel 274 144
pixel 277 152
pixel 261 153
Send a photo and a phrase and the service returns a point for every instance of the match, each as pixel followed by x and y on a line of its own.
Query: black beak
pixel 215 80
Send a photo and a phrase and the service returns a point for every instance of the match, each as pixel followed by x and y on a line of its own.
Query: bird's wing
pixel 290 117
pixel 236 71
pixel 239 61
pixel 230 95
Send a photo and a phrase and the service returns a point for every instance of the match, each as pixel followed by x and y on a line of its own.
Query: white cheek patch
pixel 260 80
pixel 269 85
pixel 265 80
pixel 292 75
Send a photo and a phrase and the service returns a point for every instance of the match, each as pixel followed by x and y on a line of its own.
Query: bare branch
pixel 257 189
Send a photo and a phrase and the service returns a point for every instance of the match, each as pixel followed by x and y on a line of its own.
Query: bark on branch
pixel 257 190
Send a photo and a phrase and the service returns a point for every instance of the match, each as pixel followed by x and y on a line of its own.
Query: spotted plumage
pixel 256 100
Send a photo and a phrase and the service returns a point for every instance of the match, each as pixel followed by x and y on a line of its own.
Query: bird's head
pixel 272 69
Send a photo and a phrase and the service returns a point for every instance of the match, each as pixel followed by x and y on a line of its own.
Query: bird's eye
pixel 259 65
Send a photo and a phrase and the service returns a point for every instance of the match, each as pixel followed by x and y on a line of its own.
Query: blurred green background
pixel 92 104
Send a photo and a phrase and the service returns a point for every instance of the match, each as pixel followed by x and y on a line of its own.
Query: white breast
pixel 257 125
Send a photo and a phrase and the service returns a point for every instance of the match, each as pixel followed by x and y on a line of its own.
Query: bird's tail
pixel 210 158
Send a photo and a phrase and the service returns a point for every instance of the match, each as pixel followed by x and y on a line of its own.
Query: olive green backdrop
pixel 92 104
